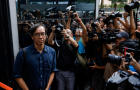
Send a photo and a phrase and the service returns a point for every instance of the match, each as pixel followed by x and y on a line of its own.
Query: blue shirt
pixel 36 67
pixel 81 48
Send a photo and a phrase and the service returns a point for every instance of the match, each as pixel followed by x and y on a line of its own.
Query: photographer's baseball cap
pixel 123 35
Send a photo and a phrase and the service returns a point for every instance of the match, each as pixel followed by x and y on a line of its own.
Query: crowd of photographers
pixel 49 13
pixel 102 54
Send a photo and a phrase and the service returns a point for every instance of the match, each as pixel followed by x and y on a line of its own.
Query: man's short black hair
pixel 35 26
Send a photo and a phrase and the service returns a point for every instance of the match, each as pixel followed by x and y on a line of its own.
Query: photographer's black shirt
pixel 66 57
pixel 94 51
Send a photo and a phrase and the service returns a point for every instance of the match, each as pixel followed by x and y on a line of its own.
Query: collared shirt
pixel 34 67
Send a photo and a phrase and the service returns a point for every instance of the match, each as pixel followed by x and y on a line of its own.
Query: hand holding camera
pixel 125 15
pixel 53 28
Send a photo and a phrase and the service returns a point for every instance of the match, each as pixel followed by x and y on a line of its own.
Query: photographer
pixel 66 55
pixel 82 72
pixel 127 71
pixel 114 49
pixel 93 49
pixel 24 34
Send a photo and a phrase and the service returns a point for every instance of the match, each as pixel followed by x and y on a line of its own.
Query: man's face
pixel 78 32
pixel 39 36
pixel 119 40
pixel 68 33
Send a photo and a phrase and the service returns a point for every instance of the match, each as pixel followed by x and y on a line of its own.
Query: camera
pixel 58 35
pixel 117 80
pixel 110 18
pixel 115 15
pixel 92 33
pixel 59 28
pixel 114 59
pixel 128 58
pixel 137 34
pixel 123 80
pixel 130 46
pixel 73 9
pixel 133 5
pixel 109 35
pixel 94 25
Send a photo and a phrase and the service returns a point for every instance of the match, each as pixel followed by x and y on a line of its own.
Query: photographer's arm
pixel 51 36
pixel 116 25
pixel 22 83
pixel 69 20
pixel 124 24
pixel 73 42
pixel 135 64
pixel 50 80
pixel 95 66
pixel 127 25
pixel 84 33
pixel 132 25
pixel 63 19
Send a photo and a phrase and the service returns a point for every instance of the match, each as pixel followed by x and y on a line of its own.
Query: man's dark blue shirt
pixel 34 67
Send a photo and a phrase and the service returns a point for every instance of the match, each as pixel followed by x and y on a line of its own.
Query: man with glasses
pixel 35 65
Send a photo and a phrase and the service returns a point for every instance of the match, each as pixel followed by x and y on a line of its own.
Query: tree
pixel 113 1
pixel 102 3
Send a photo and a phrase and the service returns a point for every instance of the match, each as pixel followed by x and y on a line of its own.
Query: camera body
pixel 137 34
pixel 111 17
pixel 59 37
pixel 73 9
pixel 130 46
pixel 109 35
pixel 131 6
pixel 128 58
pixel 92 33
pixel 59 27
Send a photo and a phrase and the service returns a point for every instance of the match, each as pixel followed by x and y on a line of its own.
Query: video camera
pixel 111 17
pixel 109 35
pixel 106 36
pixel 133 5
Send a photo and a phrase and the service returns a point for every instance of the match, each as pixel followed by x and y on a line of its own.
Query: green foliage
pixel 120 5
pixel 113 1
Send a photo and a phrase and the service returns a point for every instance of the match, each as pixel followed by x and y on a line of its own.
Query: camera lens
pixel 114 59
